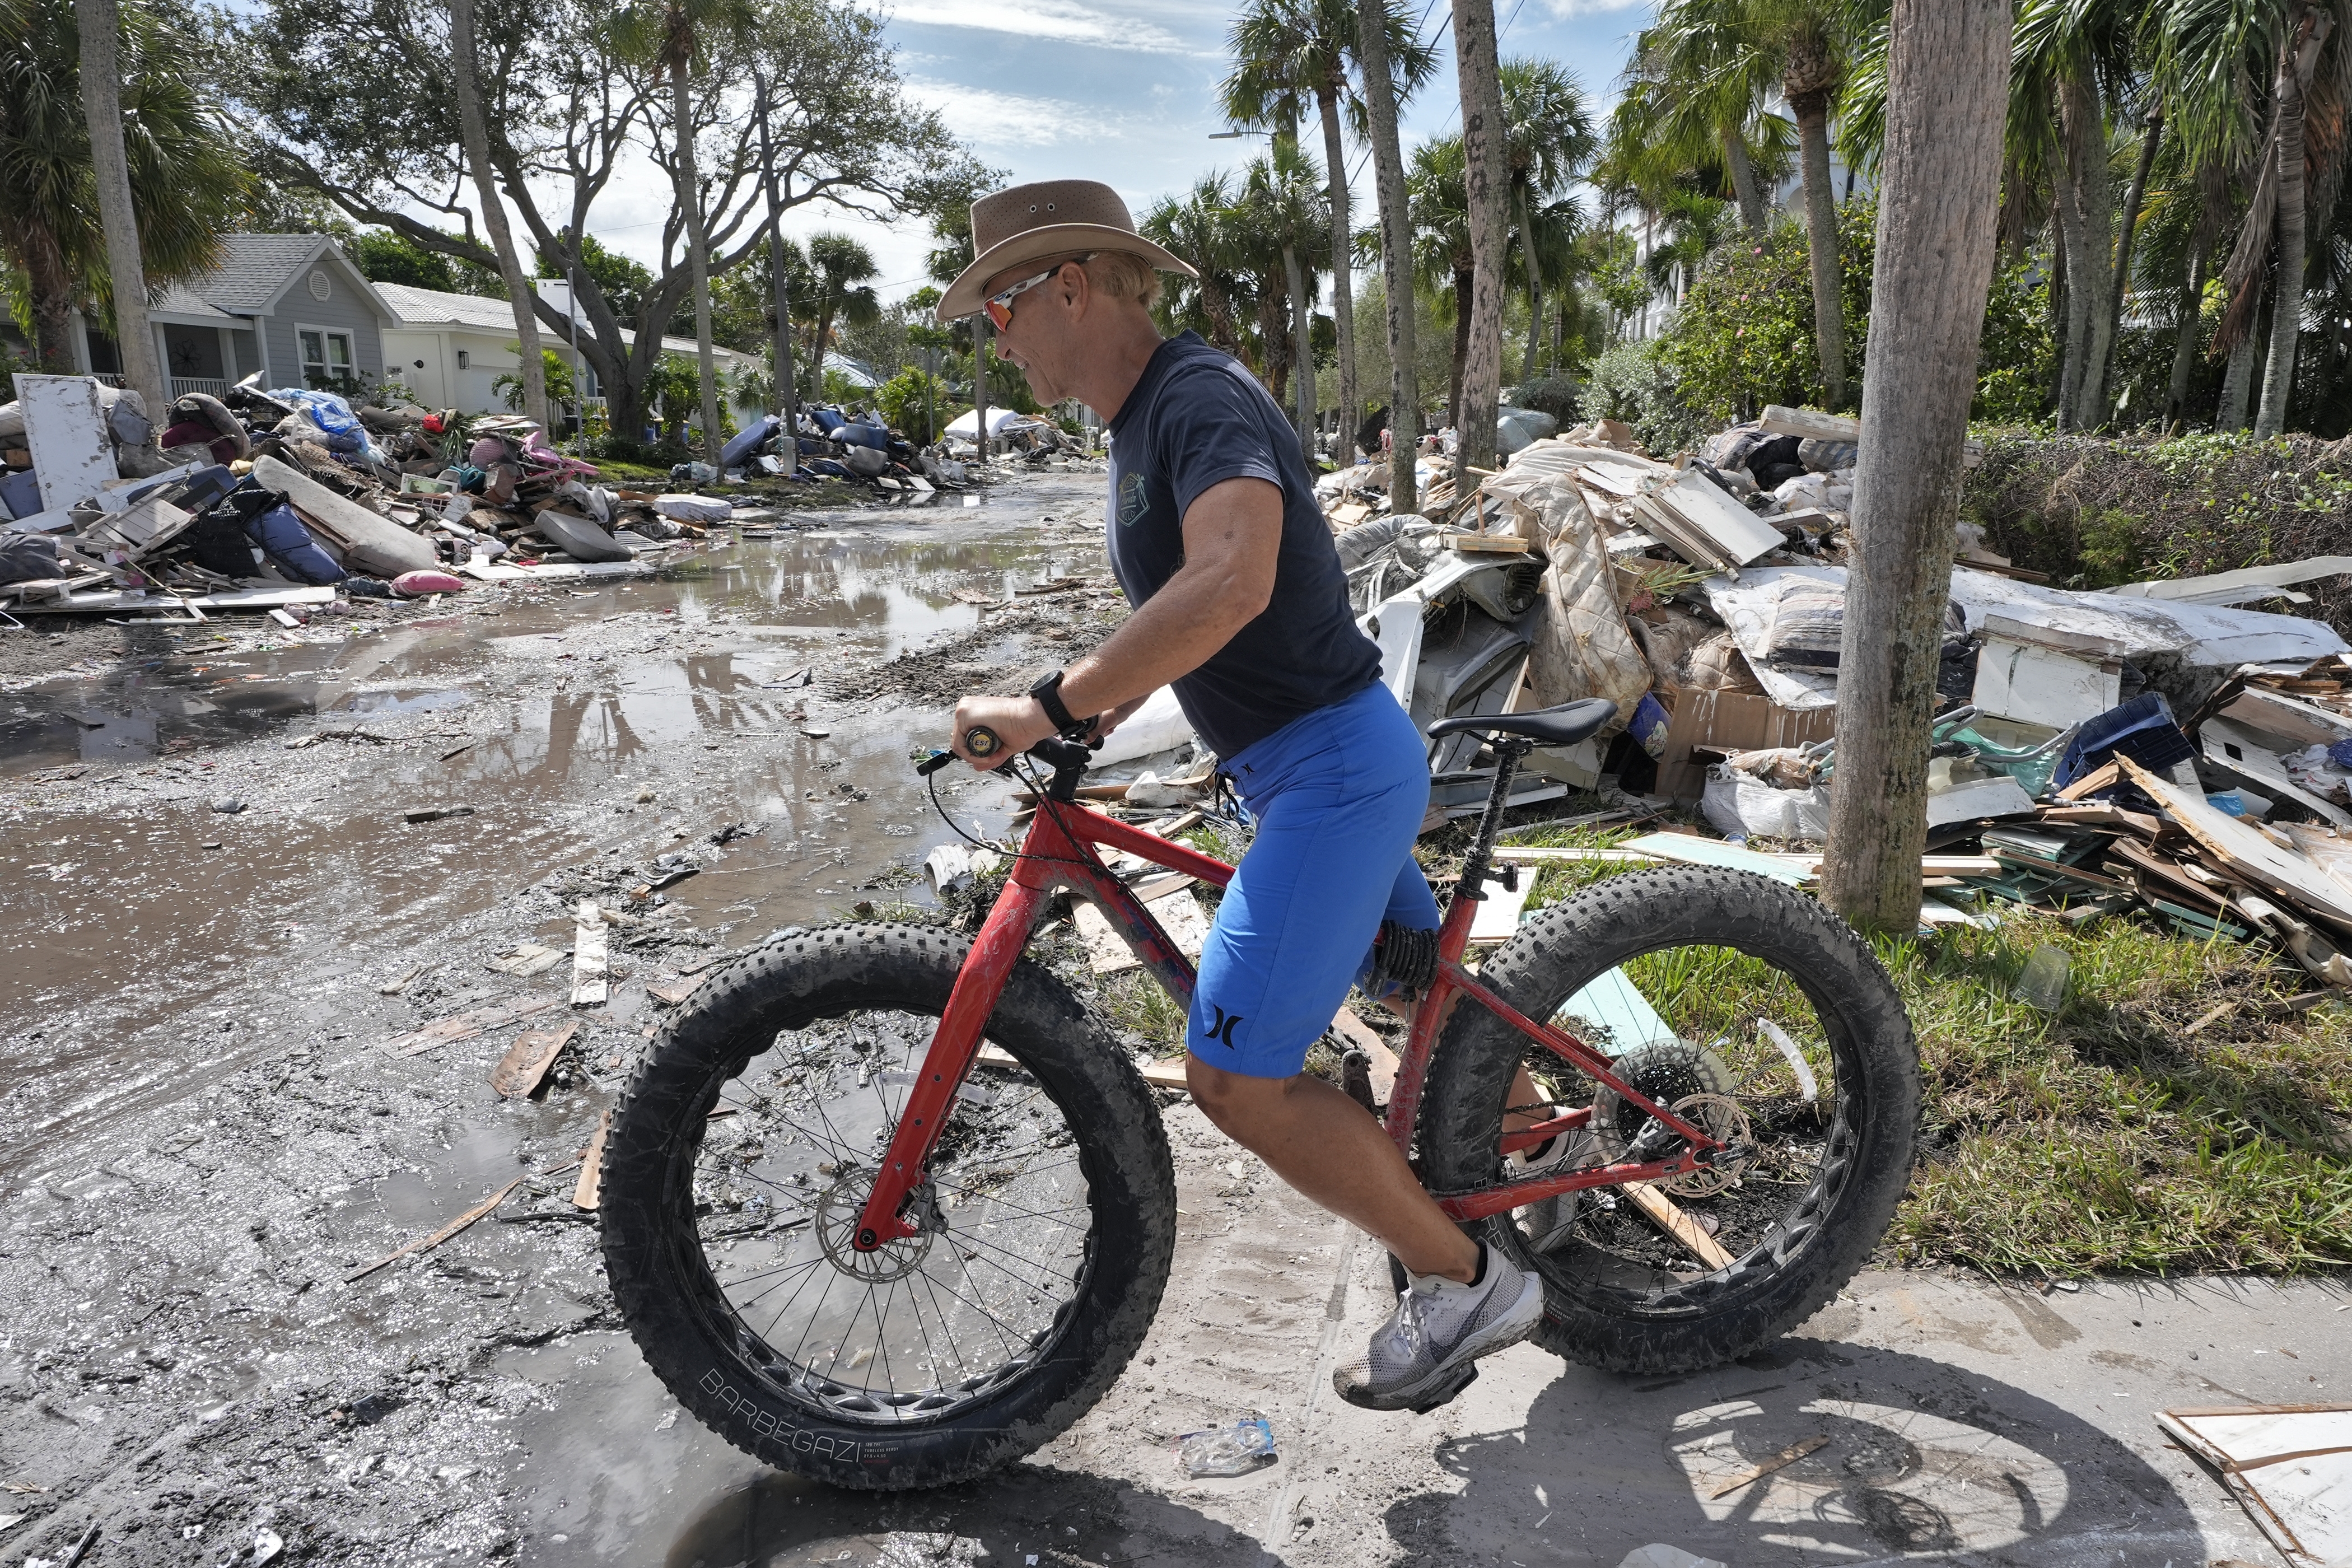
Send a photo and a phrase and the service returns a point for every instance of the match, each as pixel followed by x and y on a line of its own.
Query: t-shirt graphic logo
pixel 1134 500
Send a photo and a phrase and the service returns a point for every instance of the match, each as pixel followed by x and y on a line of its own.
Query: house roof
pixel 255 270
pixel 427 308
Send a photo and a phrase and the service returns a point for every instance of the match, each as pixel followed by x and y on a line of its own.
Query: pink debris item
pixel 417 585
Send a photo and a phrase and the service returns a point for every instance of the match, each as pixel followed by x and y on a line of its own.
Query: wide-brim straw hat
pixel 1050 218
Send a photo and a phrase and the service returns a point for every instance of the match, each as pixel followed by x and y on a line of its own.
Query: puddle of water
pixel 374 703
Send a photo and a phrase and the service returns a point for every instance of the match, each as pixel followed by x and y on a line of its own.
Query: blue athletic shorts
pixel 1339 796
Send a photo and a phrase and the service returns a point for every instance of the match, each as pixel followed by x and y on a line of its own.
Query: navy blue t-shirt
pixel 1195 419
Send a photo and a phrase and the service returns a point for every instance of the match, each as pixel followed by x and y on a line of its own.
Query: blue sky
pixel 1124 90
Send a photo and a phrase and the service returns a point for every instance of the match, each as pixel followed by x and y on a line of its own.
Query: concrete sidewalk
pixel 1966 1423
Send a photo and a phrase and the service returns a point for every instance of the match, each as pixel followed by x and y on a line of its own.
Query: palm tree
pixel 1485 170
pixel 669 35
pixel 187 177
pixel 1199 227
pixel 1807 38
pixel 1694 92
pixel 2209 62
pixel 1691 226
pixel 1381 94
pixel 1282 205
pixel 844 272
pixel 101 26
pixel 1549 136
pixel 1443 262
pixel 1286 50
pixel 466 80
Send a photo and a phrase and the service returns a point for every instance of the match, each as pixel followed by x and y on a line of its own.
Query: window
pixel 327 362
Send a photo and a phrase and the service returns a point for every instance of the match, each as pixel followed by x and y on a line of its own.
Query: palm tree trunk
pixel 2133 198
pixel 1527 371
pixel 2238 381
pixel 100 24
pixel 1302 357
pixel 1940 172
pixel 53 300
pixel 787 389
pixel 466 73
pixel 1343 283
pixel 2184 348
pixel 698 252
pixel 1743 180
pixel 816 344
pixel 2085 128
pixel 2286 302
pixel 1396 253
pixel 1462 285
pixel 1811 110
pixel 2073 238
pixel 1486 173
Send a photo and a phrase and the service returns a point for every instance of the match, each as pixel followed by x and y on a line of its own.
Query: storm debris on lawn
pixel 1705 595
pixel 284 502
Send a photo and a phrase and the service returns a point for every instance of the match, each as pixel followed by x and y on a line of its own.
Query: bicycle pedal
pixel 1446 1393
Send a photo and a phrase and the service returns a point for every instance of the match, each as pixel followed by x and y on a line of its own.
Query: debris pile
pixel 1706 596
pixel 277 499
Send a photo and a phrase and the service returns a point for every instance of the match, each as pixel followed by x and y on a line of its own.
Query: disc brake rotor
pixel 1720 1118
pixel 837 1215
pixel 1664 1074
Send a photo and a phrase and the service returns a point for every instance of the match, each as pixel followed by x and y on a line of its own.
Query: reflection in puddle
pixel 385 702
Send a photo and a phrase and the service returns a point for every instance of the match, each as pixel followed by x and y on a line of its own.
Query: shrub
pixel 1628 381
pixel 1743 335
pixel 901 401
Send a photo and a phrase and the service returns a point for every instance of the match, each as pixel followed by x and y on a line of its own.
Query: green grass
pixel 2107 1138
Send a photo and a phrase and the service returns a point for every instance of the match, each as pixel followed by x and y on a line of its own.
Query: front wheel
pixel 1748 1010
pixel 742 1155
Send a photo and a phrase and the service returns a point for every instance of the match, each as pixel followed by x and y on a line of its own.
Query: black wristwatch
pixel 1048 693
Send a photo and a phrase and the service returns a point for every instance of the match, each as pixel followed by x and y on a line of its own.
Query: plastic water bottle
pixel 1235 1449
pixel 2043 984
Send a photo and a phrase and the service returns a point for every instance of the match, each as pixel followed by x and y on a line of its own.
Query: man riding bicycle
pixel 1240 603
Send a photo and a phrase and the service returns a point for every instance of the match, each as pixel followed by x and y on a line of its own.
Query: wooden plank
pixel 1487 543
pixel 462 1025
pixel 2247 852
pixel 1498 916
pixel 590 987
pixel 524 1067
pixel 1782 1460
pixel 1779 419
pixel 1361 1036
pixel 1664 1212
pixel 426 1243
pixel 588 1191
pixel 2106 775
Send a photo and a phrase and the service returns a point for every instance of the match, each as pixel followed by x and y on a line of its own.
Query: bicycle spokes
pixel 917 1326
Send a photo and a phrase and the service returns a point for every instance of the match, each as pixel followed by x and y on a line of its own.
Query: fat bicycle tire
pixel 710 1357
pixel 1831 1229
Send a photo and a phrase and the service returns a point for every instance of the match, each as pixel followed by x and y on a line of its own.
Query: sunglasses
pixel 998 308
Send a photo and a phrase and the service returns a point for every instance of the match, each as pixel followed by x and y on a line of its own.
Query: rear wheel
pixel 1750 1011
pixel 742 1155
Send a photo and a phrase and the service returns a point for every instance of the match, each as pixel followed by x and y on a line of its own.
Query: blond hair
pixel 1119 275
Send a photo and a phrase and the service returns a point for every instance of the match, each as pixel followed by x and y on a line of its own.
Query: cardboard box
pixel 1734 721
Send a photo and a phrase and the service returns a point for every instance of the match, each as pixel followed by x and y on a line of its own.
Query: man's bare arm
pixel 1232 540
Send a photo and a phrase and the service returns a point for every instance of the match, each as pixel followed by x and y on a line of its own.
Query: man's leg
pixel 1323 1144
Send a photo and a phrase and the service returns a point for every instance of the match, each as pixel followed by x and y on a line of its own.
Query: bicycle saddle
pixel 1563 725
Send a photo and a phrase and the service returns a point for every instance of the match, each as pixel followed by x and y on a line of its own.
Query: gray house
pixel 290 306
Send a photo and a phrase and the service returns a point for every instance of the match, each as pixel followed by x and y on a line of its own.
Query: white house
pixel 290 306
pixel 448 349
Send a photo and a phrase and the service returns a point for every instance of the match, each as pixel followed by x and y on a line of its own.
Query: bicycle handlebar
pixel 981 741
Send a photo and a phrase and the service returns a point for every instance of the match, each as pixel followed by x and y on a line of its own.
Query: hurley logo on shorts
pixel 1134 500
pixel 1222 1031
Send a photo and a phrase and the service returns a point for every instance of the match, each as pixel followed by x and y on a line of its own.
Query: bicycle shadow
pixel 1917 1456
pixel 1028 1513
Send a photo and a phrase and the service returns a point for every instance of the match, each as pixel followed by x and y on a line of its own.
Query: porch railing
pixel 184 385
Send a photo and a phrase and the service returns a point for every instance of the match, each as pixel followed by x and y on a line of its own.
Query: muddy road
pixel 219 914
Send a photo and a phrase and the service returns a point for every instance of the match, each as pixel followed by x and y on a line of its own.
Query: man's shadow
pixel 1921 1458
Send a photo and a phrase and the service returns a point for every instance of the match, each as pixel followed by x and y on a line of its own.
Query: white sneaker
pixel 1425 1354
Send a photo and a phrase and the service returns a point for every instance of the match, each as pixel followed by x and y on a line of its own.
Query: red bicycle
pixel 891 1207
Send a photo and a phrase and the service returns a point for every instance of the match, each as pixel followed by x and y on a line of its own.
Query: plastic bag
pixel 1741 805
pixel 1235 1449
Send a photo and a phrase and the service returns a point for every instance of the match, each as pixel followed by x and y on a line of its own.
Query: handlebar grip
pixel 982 742
pixel 934 763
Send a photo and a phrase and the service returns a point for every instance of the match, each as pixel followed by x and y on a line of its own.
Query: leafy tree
pixel 189 181
pixel 918 405
pixel 384 257
pixel 353 97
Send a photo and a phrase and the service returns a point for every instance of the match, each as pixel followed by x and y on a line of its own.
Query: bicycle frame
pixel 1059 852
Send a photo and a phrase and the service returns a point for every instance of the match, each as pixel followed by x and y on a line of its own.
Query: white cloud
pixel 1106 23
pixel 992 119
